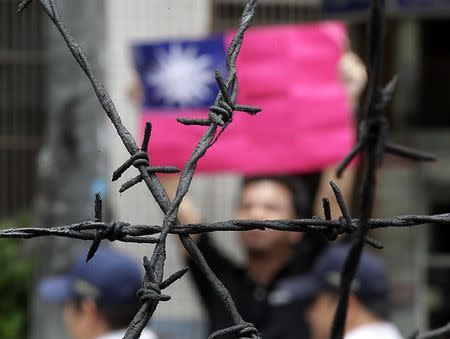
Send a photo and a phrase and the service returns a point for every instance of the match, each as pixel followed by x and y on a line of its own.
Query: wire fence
pixel 372 145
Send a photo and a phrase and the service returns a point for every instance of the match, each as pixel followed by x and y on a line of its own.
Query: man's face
pixel 82 320
pixel 265 200
pixel 74 320
pixel 320 315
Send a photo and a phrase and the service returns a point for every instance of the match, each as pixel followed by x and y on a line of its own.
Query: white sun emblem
pixel 182 76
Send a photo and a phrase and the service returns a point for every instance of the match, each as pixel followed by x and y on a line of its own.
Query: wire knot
pixel 151 293
pixel 139 159
pixel 246 330
pixel 374 128
pixel 345 226
pixel 221 113
pixel 112 233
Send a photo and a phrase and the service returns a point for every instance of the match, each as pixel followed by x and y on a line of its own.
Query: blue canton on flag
pixel 180 74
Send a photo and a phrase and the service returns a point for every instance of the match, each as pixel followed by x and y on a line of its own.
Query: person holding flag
pixel 307 83
pixel 304 78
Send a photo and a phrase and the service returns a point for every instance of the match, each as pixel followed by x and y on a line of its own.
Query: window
pixel 435 101
pixel 21 103
pixel 227 12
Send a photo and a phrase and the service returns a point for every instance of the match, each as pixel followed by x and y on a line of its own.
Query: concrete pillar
pixel 70 164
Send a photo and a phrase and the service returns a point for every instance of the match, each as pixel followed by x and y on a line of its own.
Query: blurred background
pixel 57 149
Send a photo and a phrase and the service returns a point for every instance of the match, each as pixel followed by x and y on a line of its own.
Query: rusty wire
pixel 372 144
pixel 330 229
pixel 141 233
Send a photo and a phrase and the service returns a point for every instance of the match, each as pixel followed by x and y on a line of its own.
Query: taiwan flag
pixel 289 71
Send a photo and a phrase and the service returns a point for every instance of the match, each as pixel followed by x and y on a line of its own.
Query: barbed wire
pixel 372 144
pixel 124 232
pixel 141 233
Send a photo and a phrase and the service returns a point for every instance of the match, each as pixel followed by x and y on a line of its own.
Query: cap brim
pixel 303 288
pixel 57 289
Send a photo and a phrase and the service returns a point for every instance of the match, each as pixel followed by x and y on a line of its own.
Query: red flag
pixel 289 71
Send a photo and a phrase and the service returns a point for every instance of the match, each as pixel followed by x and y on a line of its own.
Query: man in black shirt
pixel 272 258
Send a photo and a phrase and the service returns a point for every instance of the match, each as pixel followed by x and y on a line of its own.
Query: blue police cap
pixel 110 278
pixel 370 284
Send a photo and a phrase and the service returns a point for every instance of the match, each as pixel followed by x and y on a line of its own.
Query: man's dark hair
pixel 116 316
pixel 119 316
pixel 378 307
pixel 302 197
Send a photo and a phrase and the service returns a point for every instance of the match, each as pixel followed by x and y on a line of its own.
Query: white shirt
pixel 384 330
pixel 146 334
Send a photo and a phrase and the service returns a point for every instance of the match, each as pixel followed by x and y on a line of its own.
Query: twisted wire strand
pixel 142 233
pixel 373 153
pixel 89 230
